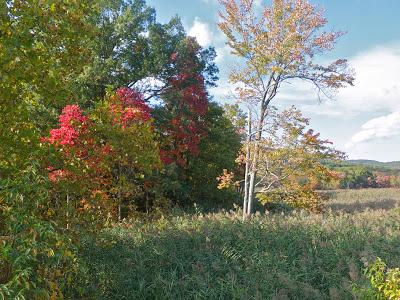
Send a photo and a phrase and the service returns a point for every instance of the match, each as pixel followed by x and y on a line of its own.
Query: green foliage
pixel 384 282
pixel 291 161
pixel 132 49
pixel 44 45
pixel 393 165
pixel 218 151
pixel 134 154
pixel 364 174
pixel 198 182
pixel 134 145
pixel 235 114
pixel 356 177
pixel 38 260
pixel 122 52
pixel 102 158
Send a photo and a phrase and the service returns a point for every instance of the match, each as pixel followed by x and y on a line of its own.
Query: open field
pixel 352 201
pixel 217 256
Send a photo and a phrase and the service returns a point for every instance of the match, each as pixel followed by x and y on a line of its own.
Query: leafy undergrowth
pixel 217 256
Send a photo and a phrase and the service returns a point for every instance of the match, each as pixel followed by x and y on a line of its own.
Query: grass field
pixel 274 256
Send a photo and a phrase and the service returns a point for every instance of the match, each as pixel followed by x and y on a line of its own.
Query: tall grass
pixel 217 256
pixel 364 199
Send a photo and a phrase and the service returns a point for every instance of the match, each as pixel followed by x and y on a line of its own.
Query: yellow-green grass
pixel 364 199
pixel 218 256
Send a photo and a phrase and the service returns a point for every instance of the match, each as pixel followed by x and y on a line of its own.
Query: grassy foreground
pixel 275 256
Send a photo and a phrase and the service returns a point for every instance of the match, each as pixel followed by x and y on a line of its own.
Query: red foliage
pixel 383 181
pixel 192 91
pixel 187 102
pixel 128 106
pixel 174 56
pixel 74 136
pixel 57 175
pixel 78 139
pixel 72 124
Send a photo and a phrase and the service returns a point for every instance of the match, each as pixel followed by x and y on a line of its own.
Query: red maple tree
pixel 186 104
pixel 79 147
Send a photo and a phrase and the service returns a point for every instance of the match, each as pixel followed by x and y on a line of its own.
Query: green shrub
pixel 384 282
pixel 297 198
pixel 38 260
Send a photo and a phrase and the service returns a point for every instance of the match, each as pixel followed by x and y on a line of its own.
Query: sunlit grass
pixel 364 199
pixel 217 256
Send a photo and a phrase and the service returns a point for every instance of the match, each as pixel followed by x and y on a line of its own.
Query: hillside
pixel 375 164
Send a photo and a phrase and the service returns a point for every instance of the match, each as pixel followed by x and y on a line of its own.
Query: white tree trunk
pixel 254 164
pixel 246 176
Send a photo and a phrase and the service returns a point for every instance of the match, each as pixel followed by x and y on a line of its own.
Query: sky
pixel 364 120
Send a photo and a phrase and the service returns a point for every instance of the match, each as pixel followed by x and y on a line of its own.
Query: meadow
pixel 292 255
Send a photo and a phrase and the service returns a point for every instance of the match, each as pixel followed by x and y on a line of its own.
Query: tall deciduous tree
pixel 277 44
pixel 125 122
pixel 44 46
pixel 123 52
pixel 185 105
pixel 180 118
pixel 132 49
pixel 109 152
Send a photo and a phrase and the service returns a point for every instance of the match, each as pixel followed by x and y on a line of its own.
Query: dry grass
pixel 352 201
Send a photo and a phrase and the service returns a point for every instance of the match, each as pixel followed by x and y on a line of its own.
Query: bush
pixel 38 260
pixel 300 198
pixel 384 282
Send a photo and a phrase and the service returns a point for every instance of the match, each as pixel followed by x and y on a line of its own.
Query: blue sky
pixel 363 121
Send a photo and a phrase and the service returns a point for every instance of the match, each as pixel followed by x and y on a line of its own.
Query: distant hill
pixel 376 164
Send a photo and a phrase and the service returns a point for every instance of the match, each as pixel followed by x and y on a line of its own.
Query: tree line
pixel 355 176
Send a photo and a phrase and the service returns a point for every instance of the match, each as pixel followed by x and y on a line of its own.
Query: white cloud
pixel 376 94
pixel 201 32
pixel 225 91
pixel 382 127
pixel 376 86
pixel 222 53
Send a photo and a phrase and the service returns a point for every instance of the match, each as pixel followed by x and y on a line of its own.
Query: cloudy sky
pixel 364 120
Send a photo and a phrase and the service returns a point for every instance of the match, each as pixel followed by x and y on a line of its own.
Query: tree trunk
pixel 68 208
pixel 246 176
pixel 119 194
pixel 254 164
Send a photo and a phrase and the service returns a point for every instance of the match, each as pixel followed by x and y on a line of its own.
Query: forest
pixel 122 177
